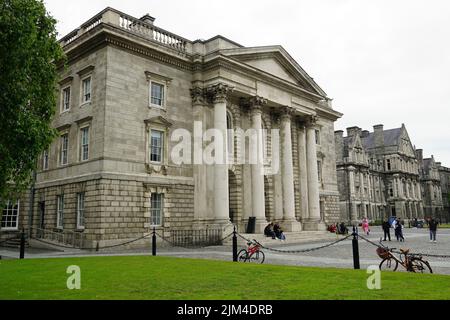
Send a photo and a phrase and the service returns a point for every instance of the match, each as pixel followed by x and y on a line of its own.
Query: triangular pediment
pixel 159 121
pixel 277 62
pixel 404 144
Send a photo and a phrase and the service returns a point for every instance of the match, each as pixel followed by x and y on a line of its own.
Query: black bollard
pixel 154 242
pixel 356 265
pixel 235 257
pixel 22 245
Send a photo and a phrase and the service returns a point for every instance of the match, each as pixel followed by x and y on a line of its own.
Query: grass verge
pixel 163 278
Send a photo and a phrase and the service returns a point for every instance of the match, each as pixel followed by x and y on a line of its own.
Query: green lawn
pixel 165 278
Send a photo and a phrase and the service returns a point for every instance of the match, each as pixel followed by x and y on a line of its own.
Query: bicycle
pixel 411 262
pixel 252 254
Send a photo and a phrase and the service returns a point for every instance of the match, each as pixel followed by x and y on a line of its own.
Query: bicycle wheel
pixel 242 255
pixel 389 264
pixel 257 257
pixel 420 266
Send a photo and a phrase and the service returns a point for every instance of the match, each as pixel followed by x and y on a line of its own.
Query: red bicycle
pixel 252 254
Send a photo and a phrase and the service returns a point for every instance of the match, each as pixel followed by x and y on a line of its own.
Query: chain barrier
pixel 297 251
pixel 125 243
pixel 191 246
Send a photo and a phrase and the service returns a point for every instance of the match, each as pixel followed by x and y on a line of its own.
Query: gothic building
pixel 430 181
pixel 444 176
pixel 128 87
pixel 378 174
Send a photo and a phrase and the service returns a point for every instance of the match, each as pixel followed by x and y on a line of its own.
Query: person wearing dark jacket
pixel 268 231
pixel 432 225
pixel 387 229
pixel 399 231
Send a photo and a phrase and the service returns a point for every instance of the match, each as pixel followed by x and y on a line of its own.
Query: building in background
pixel 128 85
pixel 378 174
pixel 444 175
pixel 430 181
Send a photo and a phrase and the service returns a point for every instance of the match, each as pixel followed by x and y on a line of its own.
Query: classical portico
pixel 296 210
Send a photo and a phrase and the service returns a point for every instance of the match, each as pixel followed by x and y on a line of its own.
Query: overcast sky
pixel 383 62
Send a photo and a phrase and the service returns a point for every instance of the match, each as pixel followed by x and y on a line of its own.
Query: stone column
pixel 313 222
pixel 303 171
pixel 200 186
pixel 351 180
pixel 219 94
pixel 257 169
pixel 290 223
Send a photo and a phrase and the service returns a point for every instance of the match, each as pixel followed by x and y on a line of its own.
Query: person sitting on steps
pixel 268 231
pixel 279 232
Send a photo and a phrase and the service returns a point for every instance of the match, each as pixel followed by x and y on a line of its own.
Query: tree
pixel 29 51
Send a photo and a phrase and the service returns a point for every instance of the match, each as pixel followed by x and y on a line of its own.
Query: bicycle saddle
pixel 404 251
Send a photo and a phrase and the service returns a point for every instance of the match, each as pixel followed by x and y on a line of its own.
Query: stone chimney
pixel 353 131
pixel 379 135
pixel 148 19
pixel 365 134
pixel 339 144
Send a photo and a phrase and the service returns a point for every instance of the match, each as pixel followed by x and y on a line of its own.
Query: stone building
pixel 444 175
pixel 430 184
pixel 378 174
pixel 128 87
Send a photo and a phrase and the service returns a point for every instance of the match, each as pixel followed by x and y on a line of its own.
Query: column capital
pixel 198 95
pixel 219 93
pixel 287 113
pixel 311 120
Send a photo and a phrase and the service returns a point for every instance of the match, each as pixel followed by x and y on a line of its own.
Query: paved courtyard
pixel 339 255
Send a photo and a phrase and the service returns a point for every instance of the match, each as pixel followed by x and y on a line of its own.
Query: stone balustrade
pixel 137 26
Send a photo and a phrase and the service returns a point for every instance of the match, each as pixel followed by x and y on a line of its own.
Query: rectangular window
pixel 65 99
pixel 391 192
pixel 156 209
pixel 86 90
pixel 318 137
pixel 84 144
pixel 80 210
pixel 156 145
pixel 157 94
pixel 45 160
pixel 64 149
pixel 10 216
pixel 388 164
pixel 60 211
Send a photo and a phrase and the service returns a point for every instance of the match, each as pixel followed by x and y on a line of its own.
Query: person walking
pixel 432 225
pixel 399 231
pixel 365 226
pixel 387 229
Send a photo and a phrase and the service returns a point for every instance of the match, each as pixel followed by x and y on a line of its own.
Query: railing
pixel 66 237
pixel 130 24
pixel 195 238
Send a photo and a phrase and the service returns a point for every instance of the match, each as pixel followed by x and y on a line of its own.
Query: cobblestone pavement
pixel 339 255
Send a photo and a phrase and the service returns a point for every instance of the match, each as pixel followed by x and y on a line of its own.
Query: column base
pixel 312 225
pixel 291 226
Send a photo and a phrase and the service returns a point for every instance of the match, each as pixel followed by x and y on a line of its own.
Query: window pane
pixel 80 210
pixel 64 148
pixel 60 211
pixel 157 94
pixel 156 210
pixel 156 145
pixel 10 215
pixel 84 144
pixel 86 89
pixel 66 99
